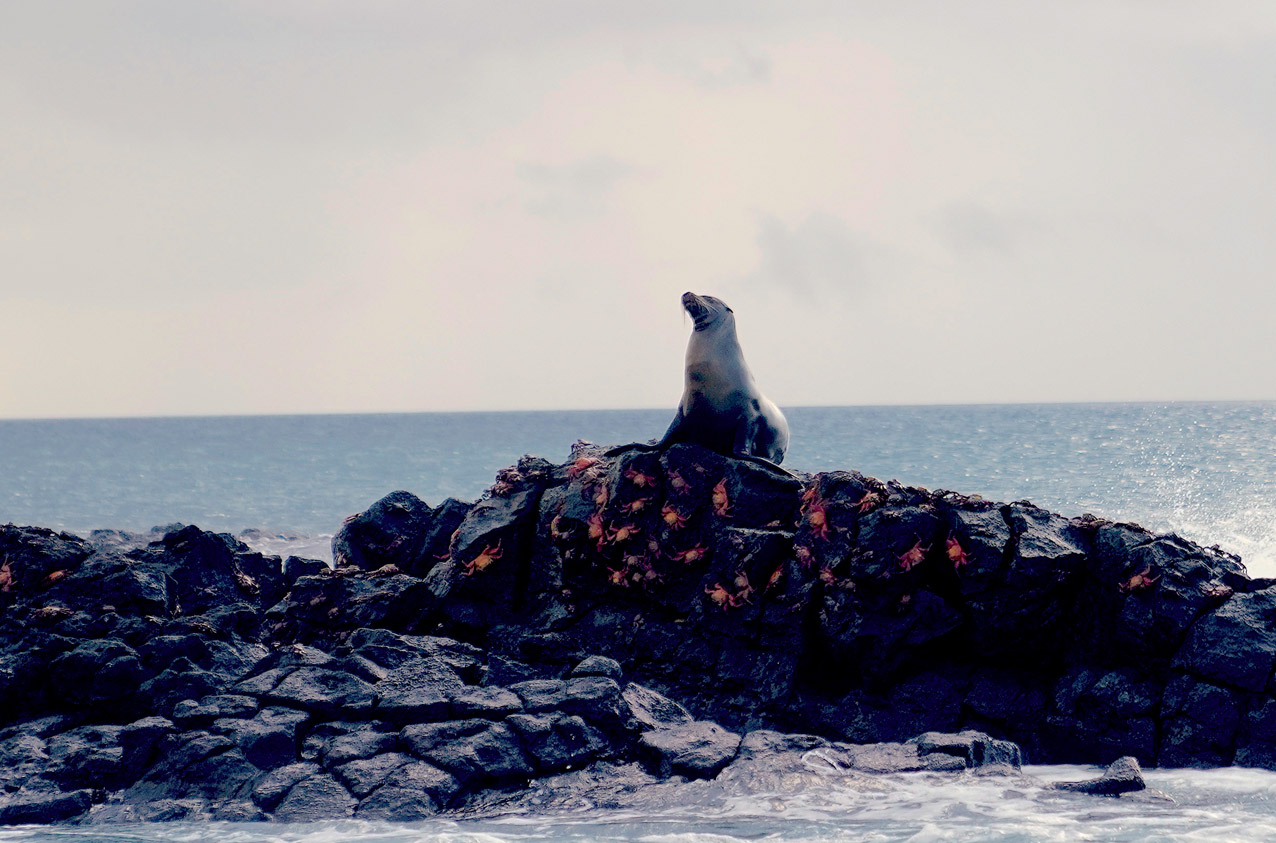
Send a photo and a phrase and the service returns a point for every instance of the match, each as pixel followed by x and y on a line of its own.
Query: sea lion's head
pixel 707 311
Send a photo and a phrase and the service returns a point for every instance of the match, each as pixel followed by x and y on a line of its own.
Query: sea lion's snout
pixel 699 309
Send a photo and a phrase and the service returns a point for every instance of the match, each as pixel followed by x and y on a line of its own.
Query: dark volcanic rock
pixel 324 691
pixel 975 749
pixel 390 532
pixel 1122 776
pixel 697 750
pixel 317 797
pixel 44 807
pixel 609 611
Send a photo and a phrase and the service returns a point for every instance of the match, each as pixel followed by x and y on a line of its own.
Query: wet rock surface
pixel 607 624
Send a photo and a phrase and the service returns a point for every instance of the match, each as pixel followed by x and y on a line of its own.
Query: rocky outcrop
pixel 653 615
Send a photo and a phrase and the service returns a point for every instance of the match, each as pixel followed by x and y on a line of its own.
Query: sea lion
pixel 722 407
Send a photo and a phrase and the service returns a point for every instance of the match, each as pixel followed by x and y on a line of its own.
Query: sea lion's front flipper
pixel 765 463
pixel 665 441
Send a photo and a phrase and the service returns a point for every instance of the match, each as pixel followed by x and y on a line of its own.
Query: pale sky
pixel 322 206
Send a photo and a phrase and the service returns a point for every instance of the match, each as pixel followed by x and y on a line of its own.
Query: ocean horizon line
pixel 669 408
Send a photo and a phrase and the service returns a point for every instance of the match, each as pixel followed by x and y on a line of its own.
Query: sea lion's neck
pixel 715 364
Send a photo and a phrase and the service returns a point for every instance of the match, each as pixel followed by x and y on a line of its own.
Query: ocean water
pixel 1219 806
pixel 1205 471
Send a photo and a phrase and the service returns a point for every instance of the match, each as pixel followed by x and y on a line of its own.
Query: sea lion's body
pixel 722 407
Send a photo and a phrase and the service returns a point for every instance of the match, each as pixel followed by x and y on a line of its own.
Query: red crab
pixel 640 480
pixel 691 554
pixel 1140 581
pixel 581 466
pixel 673 517
pixel 721 503
pixel 870 500
pixel 481 562
pixel 913 556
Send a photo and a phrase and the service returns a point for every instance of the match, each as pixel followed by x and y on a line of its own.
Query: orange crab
pixel 636 505
pixel 803 555
pixel 639 479
pixel 481 562
pixel 623 533
pixel 721 503
pixel 827 576
pixel 744 589
pixel 956 554
pixel 505 482
pixel 619 576
pixel 679 485
pixel 6 577
pixel 581 466
pixel 870 500
pixel 913 556
pixel 1140 581
pixel 817 516
pixel 673 517
pixel 776 576
pixel 46 613
pixel 1217 591
pixel 597 532
pixel 601 495
pixel 52 578
pixel 691 554
pixel 719 595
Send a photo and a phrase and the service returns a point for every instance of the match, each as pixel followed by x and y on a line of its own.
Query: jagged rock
pixel 415 791
pixel 365 775
pixel 557 741
pixel 339 743
pixel 1235 645
pixel 268 739
pixel 44 807
pixel 390 532
pixel 98 673
pixel 274 786
pixel 490 702
pixel 28 555
pixel 650 710
pixel 698 749
pixel 417 690
pixel 238 811
pixel 296 567
pixel 975 749
pixel 325 691
pixel 1200 723
pixel 541 694
pixel 88 756
pixel 191 714
pixel 598 666
pixel 767 742
pixel 1122 776
pixel 317 797
pixel 139 741
pixel 21 757
pixel 474 751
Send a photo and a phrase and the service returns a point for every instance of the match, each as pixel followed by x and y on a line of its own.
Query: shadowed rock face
pixel 678 610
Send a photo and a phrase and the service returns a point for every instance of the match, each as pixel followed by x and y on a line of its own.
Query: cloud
pixel 570 191
pixel 967 227
pixel 820 255
pixel 716 69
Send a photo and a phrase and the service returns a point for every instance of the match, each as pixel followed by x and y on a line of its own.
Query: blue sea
pixel 1206 471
